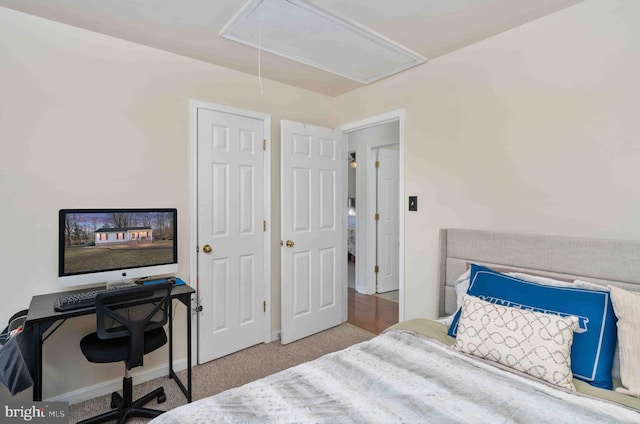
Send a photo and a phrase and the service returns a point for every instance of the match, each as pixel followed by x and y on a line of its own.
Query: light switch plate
pixel 413 203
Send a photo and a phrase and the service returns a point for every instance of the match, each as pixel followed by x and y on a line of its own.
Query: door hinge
pixel 264 144
pixel 264 306
pixel 264 225
pixel 377 217
pixel 377 164
pixel 376 269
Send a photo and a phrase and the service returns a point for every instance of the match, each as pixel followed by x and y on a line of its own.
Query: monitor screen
pixel 110 245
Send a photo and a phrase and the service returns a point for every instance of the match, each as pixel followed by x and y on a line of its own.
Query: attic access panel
pixel 299 31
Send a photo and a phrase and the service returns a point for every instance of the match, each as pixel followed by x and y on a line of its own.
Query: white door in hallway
pixel 388 234
pixel 231 235
pixel 313 213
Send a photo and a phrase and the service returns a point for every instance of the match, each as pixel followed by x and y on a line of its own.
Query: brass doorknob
pixel 289 243
pixel 206 248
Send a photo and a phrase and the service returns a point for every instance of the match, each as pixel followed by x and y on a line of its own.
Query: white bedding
pixel 396 377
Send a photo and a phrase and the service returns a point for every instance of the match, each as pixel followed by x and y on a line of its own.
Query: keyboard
pixel 83 299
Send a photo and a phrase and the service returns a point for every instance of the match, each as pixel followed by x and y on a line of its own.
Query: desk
pixel 42 316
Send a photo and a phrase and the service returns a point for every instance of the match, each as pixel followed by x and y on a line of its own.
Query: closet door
pixel 231 233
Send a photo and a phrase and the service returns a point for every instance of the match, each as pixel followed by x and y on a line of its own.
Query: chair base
pixel 124 408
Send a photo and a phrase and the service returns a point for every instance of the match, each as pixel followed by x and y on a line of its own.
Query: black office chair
pixel 129 325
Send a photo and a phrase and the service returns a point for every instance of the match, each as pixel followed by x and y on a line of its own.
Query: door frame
pixel 194 105
pixel 396 115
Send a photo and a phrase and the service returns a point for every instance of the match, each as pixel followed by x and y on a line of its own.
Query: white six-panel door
pixel 230 160
pixel 388 233
pixel 313 215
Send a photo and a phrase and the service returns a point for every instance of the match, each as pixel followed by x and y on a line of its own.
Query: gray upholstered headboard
pixel 600 261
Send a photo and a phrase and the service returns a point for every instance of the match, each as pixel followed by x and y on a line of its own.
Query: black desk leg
pixel 188 304
pixel 186 300
pixel 36 372
pixel 171 342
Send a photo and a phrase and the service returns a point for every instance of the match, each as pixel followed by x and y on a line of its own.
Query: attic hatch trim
pixel 288 28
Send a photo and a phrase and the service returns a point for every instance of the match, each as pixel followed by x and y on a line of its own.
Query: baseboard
pixel 110 386
pixel 275 335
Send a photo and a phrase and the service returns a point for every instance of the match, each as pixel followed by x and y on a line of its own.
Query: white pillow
pixel 534 343
pixel 448 320
pixel 461 285
pixel 589 286
pixel 626 306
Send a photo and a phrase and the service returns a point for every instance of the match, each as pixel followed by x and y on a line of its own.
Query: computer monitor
pixel 116 245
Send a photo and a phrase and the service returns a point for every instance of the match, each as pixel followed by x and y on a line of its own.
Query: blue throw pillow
pixel 594 340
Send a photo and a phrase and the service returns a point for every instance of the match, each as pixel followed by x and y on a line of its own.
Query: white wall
pixel 72 102
pixel 534 130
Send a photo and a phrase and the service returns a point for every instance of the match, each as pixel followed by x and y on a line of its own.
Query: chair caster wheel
pixel 114 401
pixel 162 398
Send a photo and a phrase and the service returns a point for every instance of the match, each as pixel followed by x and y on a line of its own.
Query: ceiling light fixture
pixel 300 31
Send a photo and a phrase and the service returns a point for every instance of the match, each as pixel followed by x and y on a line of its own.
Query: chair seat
pixel 115 350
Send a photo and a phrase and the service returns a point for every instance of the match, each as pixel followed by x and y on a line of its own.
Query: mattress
pixel 410 373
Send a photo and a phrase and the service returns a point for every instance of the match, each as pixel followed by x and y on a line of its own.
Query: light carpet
pixel 233 370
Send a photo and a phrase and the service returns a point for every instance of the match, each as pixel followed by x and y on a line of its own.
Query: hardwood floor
pixel 372 313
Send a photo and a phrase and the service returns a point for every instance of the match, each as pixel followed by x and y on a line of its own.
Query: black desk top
pixel 41 306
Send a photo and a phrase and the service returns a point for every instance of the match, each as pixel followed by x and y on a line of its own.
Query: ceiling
pixel 191 28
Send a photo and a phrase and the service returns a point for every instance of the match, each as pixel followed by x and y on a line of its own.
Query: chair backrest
pixel 130 312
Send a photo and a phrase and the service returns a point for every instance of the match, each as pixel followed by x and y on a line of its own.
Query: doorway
pixel 366 139
pixel 381 201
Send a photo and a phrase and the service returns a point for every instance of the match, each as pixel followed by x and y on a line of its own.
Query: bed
pixel 417 371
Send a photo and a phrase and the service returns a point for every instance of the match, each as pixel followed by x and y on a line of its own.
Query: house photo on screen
pixel 107 245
